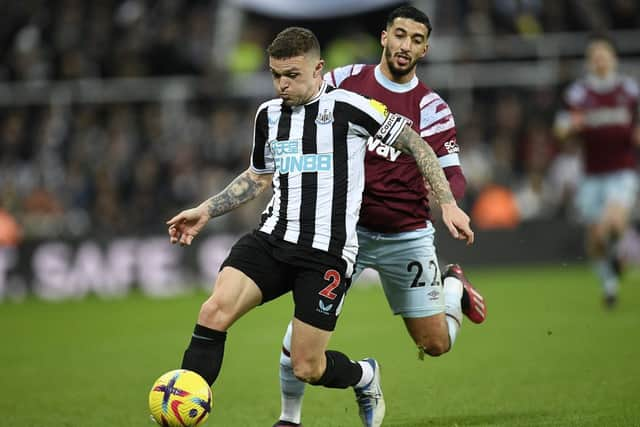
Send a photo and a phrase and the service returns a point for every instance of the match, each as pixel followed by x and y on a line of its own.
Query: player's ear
pixel 318 69
pixel 383 39
pixel 426 49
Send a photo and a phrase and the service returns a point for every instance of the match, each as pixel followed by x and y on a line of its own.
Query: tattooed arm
pixel 411 143
pixel 245 187
pixel 188 223
pixel 453 217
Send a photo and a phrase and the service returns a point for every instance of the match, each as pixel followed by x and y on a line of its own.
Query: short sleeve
pixel 262 161
pixel 373 117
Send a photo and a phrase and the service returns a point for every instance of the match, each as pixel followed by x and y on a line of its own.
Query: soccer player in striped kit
pixel 394 231
pixel 602 111
pixel 309 146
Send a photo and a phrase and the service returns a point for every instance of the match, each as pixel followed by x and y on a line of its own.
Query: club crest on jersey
pixel 324 117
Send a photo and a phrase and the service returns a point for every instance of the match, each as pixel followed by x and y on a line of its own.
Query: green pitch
pixel 548 354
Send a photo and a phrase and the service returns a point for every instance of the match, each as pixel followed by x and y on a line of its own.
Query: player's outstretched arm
pixel 188 223
pixel 635 138
pixel 568 123
pixel 456 220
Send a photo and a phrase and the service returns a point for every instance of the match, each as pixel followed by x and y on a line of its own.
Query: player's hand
pixel 187 224
pixel 635 137
pixel 577 121
pixel 457 221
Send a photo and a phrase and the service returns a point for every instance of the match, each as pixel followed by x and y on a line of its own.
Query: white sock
pixel 452 289
pixel 367 374
pixel 291 388
pixel 607 277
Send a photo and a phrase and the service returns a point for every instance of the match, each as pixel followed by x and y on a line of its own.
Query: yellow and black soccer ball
pixel 180 398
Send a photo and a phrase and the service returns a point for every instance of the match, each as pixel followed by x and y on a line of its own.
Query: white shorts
pixel 596 192
pixel 408 269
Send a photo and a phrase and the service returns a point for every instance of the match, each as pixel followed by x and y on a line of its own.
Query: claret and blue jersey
pixel 395 199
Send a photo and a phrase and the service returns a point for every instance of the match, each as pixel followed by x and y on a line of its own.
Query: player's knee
pixel 436 347
pixel 213 313
pixel 307 369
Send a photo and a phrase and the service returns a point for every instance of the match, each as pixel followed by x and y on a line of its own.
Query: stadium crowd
pixel 110 168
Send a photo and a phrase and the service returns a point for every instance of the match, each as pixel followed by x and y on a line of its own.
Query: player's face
pixel 404 43
pixel 601 58
pixel 296 79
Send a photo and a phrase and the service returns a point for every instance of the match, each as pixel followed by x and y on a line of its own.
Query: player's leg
pixel 620 191
pixel 433 321
pixel 314 364
pixel 596 248
pixel 473 304
pixel 410 276
pixel 249 275
pixel 615 223
pixel 319 293
pixel 590 202
pixel 592 199
pixel 291 388
pixel 430 333
pixel 234 294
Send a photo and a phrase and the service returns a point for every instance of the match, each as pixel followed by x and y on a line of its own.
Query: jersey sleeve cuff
pixel 260 171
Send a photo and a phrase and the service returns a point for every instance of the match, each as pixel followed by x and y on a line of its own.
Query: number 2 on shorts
pixel 334 281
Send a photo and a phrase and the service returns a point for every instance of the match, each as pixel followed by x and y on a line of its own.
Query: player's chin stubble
pixel 395 71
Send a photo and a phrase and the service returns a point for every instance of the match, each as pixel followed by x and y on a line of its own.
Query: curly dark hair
pixel 412 13
pixel 294 41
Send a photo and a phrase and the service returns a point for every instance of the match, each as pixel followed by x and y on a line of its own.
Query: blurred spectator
pixel 477 161
pixel 10 231
pixel 478 18
pixel 117 167
pixel 355 47
pixel 495 208
pixel 249 55
pixel 535 196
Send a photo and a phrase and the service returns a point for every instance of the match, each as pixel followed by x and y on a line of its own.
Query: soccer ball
pixel 180 398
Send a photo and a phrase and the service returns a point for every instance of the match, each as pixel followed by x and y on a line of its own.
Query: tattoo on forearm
pixel 411 143
pixel 241 190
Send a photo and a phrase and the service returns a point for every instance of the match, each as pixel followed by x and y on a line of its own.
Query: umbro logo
pixel 433 295
pixel 324 117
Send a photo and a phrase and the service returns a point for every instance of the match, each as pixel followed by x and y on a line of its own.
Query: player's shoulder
pixel 630 86
pixel 270 103
pixel 577 91
pixel 346 96
pixel 275 102
pixel 367 105
pixel 429 96
pixel 337 76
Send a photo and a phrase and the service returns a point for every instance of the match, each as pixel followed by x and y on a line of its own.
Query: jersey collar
pixel 393 86
pixel 599 84
pixel 322 90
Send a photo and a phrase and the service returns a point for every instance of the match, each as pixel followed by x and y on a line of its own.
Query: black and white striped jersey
pixel 316 153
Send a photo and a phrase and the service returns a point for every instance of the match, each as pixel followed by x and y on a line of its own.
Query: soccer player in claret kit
pixel 309 145
pixel 395 233
pixel 602 111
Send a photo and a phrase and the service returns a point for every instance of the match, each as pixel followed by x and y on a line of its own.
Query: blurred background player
pixel 603 113
pixel 395 233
